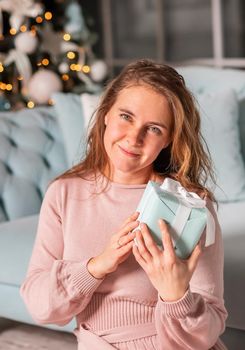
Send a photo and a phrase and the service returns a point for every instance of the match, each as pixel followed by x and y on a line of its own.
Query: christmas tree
pixel 43 51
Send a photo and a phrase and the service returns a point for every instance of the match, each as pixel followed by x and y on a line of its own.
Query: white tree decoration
pixel 19 9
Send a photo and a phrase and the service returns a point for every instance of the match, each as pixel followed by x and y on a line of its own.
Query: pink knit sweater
pixel 122 311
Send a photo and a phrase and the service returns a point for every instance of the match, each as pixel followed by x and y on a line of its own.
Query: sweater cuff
pixel 84 281
pixel 179 308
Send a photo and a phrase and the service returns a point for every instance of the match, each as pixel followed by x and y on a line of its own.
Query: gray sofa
pixel 31 154
pixel 33 149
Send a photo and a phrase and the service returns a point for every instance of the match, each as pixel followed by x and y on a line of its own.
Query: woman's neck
pixel 132 179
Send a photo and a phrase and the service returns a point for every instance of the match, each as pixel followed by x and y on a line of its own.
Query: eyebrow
pixel 150 122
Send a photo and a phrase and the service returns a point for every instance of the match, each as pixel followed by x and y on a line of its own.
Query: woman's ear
pixel 106 119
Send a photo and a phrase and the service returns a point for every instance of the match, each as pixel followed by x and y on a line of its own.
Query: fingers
pixel 166 239
pixel 127 228
pixel 148 240
pixel 129 225
pixel 193 259
pixel 124 240
pixel 143 251
pixel 125 234
pixel 138 257
pixel 132 217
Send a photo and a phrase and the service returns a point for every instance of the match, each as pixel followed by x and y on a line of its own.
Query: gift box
pixel 185 212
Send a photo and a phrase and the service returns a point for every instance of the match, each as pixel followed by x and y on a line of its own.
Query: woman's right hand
pixel 117 250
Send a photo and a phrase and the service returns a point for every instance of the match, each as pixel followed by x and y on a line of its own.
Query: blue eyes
pixel 152 129
pixel 155 130
pixel 125 116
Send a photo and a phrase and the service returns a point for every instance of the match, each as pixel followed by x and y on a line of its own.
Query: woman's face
pixel 138 127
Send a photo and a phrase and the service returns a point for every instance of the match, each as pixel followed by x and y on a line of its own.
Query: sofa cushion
pixel 232 220
pixel 242 126
pixel 219 125
pixel 31 154
pixel 16 241
pixel 17 238
pixel 202 79
pixel 208 79
pixel 69 116
pixel 73 113
pixel 12 307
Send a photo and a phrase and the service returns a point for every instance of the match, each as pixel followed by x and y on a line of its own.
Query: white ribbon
pixel 189 200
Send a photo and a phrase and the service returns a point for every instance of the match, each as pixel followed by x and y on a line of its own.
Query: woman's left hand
pixel 169 274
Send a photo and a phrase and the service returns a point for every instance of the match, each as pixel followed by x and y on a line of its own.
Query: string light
pixel 66 37
pixel 23 28
pixel 45 61
pixel 33 30
pixel 39 19
pixel 3 85
pixel 48 15
pixel 86 69
pixel 70 55
pixel 30 104
pixel 12 31
pixel 9 87
pixel 78 67
pixel 65 77
pixel 73 66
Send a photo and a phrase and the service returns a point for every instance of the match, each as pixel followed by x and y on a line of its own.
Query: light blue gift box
pixel 185 212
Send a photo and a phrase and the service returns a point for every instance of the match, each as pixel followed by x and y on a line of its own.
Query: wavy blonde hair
pixel 186 159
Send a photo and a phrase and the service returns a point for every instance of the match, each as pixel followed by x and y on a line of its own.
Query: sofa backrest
pixel 206 79
pixel 31 154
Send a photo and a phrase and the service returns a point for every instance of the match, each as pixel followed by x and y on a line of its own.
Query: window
pixel 175 31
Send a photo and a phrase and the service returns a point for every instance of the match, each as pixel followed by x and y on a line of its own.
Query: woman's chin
pixel 121 170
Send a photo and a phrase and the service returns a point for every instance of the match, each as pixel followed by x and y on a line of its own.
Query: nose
pixel 135 137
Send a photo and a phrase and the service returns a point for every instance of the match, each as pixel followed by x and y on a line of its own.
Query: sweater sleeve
pixel 198 318
pixel 55 290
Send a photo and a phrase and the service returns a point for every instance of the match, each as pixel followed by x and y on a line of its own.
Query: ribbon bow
pixel 190 199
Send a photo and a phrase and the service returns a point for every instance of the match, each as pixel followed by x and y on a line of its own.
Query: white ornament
pixel 51 41
pixel 63 67
pixel 76 25
pixel 26 42
pixel 22 62
pixel 18 10
pixel 42 85
pixel 98 70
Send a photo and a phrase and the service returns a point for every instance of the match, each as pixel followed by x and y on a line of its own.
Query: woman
pixel 85 262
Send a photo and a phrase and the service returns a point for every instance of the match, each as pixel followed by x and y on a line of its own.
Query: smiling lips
pixel 129 154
